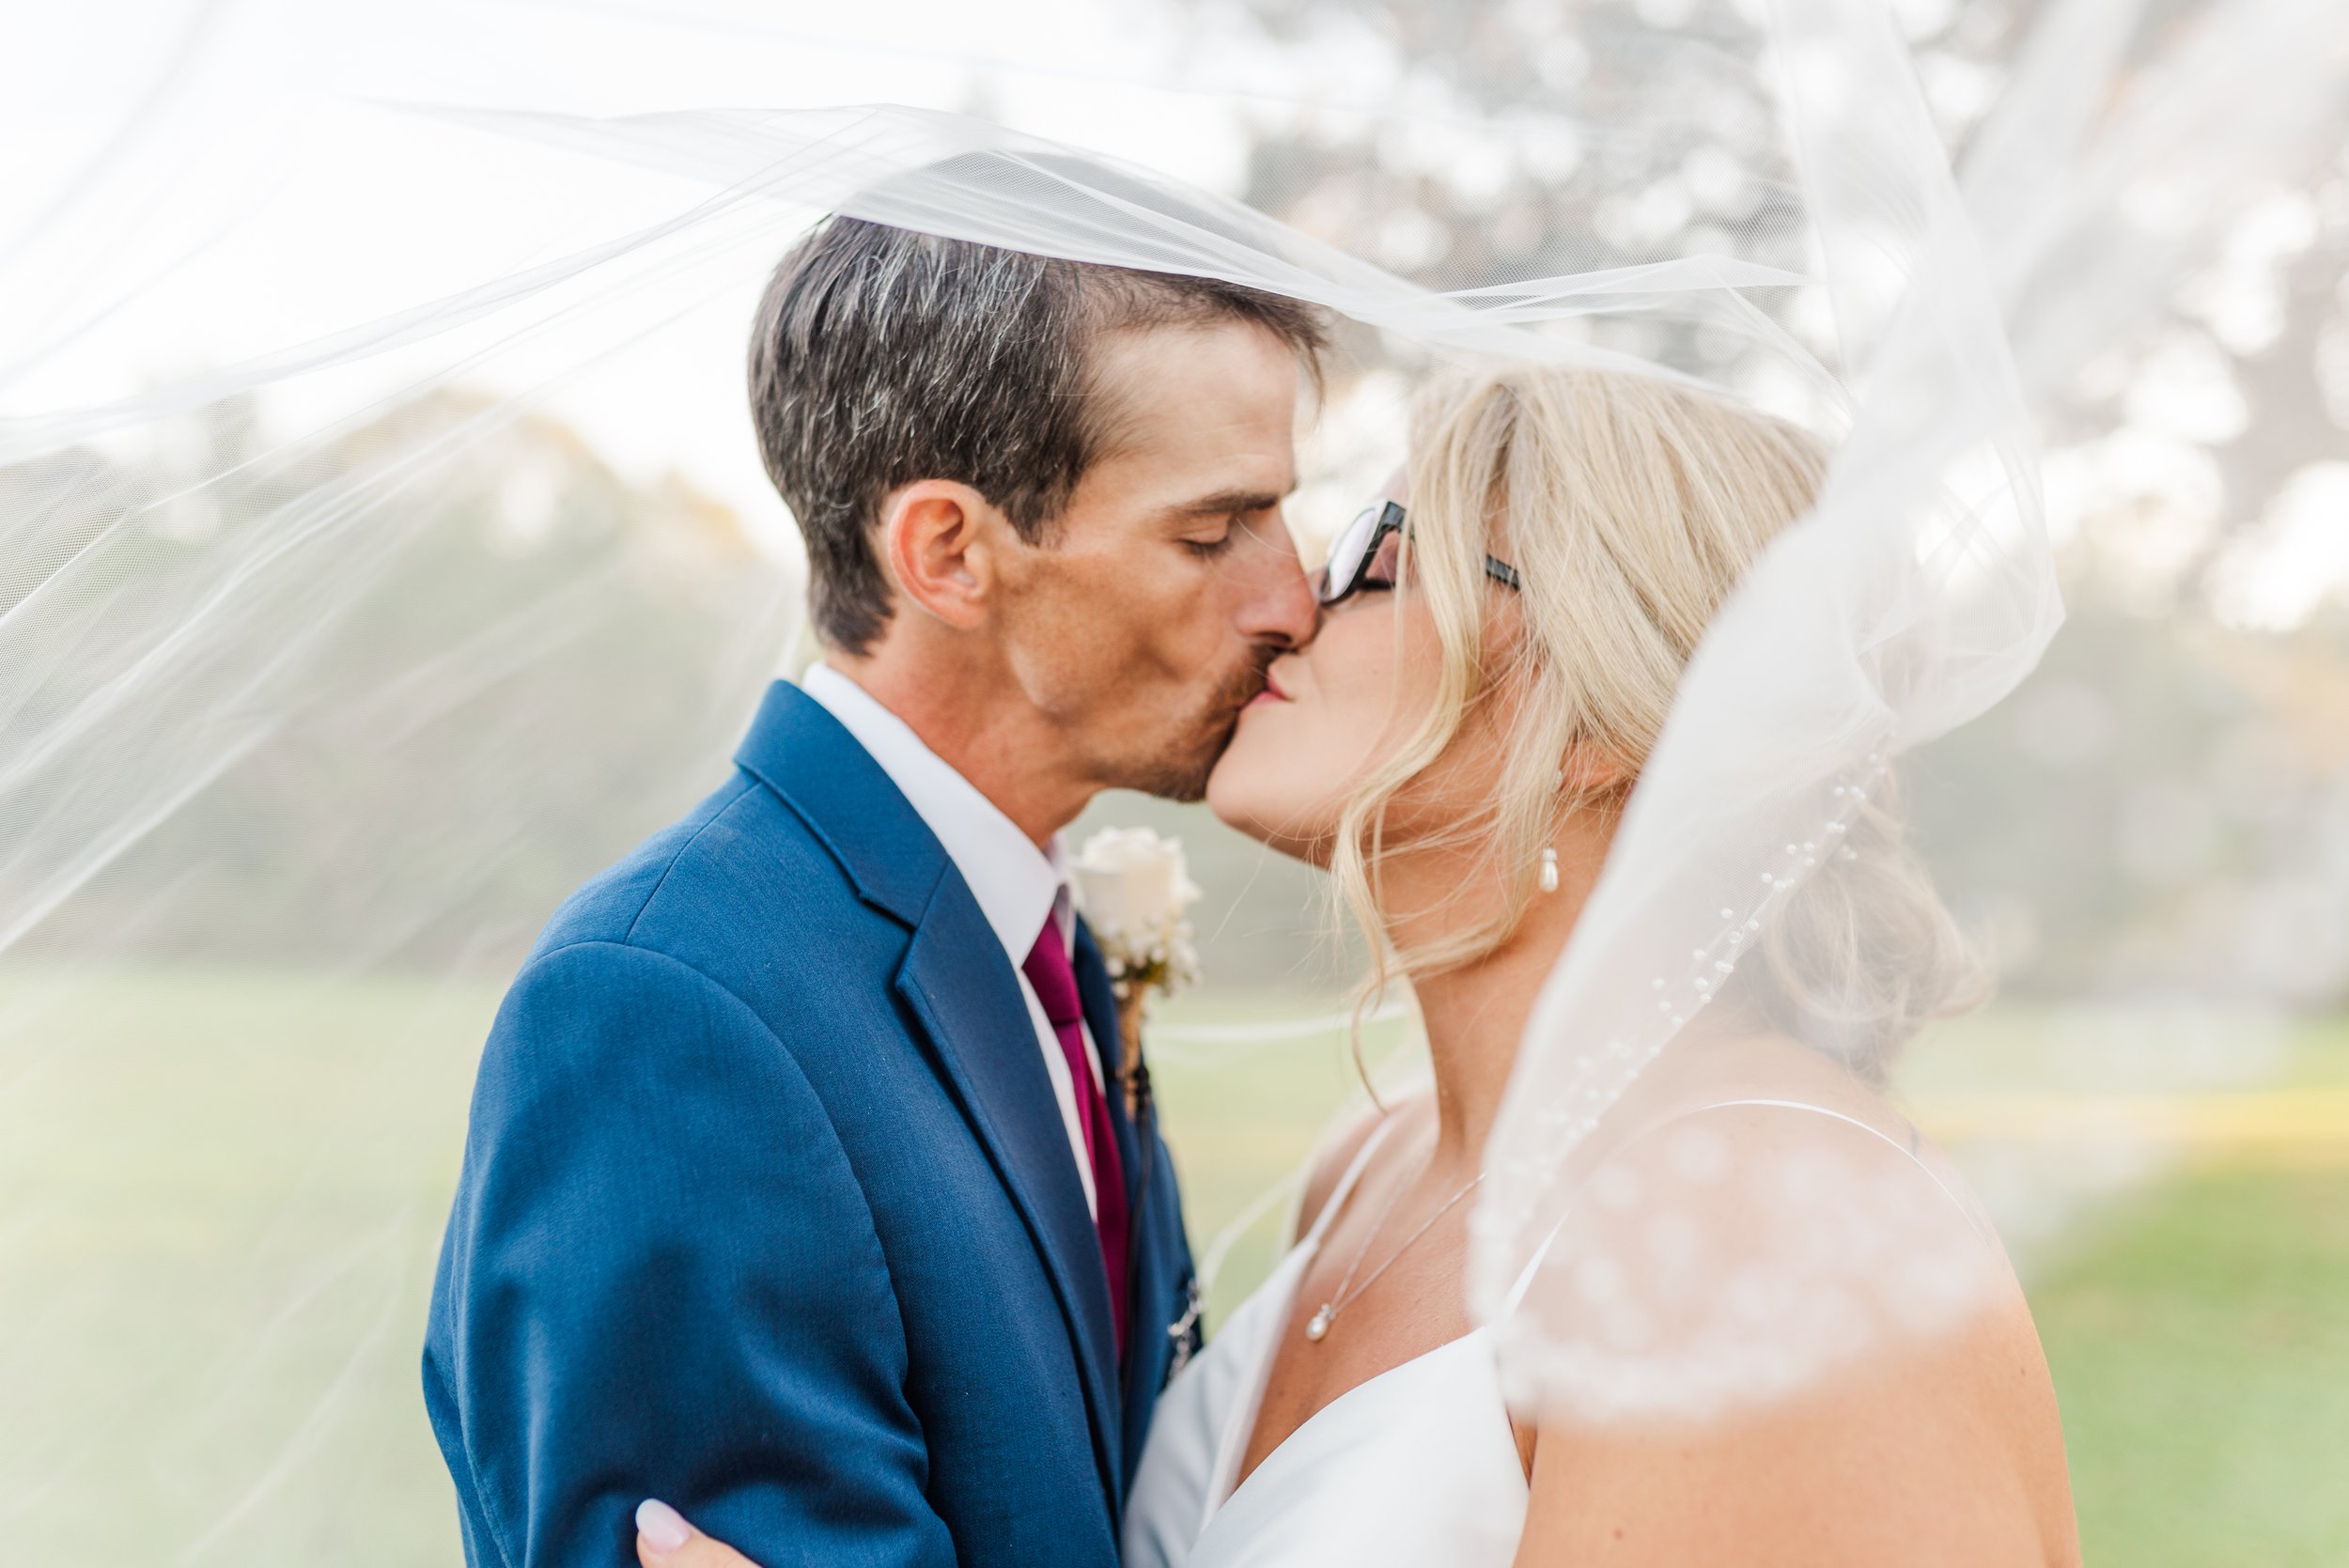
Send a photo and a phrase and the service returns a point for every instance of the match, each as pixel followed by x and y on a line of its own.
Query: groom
pixel 794 1193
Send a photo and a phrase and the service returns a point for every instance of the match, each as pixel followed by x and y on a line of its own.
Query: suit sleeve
pixel 660 1279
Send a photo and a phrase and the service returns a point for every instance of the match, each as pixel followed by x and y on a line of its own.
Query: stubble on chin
pixel 1180 772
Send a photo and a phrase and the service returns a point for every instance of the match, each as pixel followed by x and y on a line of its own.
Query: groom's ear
pixel 938 539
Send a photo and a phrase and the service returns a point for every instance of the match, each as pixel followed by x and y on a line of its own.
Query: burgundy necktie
pixel 1054 977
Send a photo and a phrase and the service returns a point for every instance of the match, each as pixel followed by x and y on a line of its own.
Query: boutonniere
pixel 1135 891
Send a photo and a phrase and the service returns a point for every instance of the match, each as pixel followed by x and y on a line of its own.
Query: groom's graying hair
pixel 882 356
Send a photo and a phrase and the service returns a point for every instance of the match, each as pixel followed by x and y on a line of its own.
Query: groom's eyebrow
pixel 1225 503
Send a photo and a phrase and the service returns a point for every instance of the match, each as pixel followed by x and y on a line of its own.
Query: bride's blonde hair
pixel 1630 506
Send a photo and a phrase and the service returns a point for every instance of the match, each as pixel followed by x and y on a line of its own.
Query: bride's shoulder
pixel 1341 1147
pixel 1770 1290
pixel 1753 1219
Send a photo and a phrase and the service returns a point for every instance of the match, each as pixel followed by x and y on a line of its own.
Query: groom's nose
pixel 1281 609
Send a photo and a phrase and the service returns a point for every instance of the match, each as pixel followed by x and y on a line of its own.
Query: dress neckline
pixel 1278 1299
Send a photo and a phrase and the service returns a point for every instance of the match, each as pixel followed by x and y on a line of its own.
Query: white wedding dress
pixel 1417 1465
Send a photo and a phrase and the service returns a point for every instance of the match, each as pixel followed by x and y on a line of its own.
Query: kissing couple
pixel 799 1221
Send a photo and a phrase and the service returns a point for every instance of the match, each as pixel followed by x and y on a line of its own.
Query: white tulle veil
pixel 269 704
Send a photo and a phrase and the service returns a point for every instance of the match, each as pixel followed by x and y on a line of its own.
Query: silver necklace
pixel 1318 1327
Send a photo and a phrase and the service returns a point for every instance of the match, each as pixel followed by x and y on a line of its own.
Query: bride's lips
pixel 1271 692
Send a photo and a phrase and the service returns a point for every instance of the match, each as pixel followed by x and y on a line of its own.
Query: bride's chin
pixel 1237 792
pixel 1249 813
pixel 1255 790
pixel 1228 796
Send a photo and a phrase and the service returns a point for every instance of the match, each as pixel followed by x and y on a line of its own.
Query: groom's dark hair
pixel 882 356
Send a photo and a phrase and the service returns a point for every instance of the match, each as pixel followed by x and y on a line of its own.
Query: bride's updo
pixel 1630 506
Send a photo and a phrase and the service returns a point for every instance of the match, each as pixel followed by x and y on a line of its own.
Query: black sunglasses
pixel 1360 560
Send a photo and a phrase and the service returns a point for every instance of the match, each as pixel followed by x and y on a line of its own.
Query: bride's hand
pixel 664 1539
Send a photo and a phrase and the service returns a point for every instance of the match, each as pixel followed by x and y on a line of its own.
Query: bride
pixel 1500 643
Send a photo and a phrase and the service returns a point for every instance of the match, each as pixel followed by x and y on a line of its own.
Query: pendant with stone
pixel 1318 1324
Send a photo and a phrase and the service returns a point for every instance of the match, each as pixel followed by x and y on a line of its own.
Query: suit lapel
pixel 1138 1151
pixel 958 983
pixel 958 986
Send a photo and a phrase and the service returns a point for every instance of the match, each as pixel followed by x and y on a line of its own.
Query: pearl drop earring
pixel 1550 870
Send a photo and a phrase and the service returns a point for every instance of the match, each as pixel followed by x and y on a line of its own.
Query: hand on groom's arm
pixel 662 1279
pixel 665 1540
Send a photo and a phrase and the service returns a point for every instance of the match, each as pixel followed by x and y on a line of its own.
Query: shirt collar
pixel 1016 884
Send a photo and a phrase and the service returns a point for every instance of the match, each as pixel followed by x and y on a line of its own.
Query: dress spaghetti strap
pixel 1908 1148
pixel 1525 1277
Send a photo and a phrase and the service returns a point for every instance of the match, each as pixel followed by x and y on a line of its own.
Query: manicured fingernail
pixel 664 1528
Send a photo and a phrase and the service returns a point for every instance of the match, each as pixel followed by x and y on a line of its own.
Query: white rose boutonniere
pixel 1135 892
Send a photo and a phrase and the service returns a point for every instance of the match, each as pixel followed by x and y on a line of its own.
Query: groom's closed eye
pixel 1213 524
pixel 1228 531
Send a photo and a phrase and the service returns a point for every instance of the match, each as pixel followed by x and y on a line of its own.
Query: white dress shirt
pixel 1016 884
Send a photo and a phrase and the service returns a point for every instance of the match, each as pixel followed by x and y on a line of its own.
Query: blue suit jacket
pixel 767 1210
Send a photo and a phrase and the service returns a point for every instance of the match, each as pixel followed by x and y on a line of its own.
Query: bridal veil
pixel 304 587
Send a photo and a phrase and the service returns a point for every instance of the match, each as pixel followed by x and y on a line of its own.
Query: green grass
pixel 219 1201
pixel 2200 1351
pixel 220 1196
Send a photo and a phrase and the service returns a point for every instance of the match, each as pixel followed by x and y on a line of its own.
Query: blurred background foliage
pixel 516 545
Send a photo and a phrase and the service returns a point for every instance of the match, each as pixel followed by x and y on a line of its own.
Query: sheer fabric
pixel 283 639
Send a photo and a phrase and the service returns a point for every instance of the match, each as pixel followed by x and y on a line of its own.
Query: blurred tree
pixel 2163 808
pixel 515 605
pixel 1531 137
